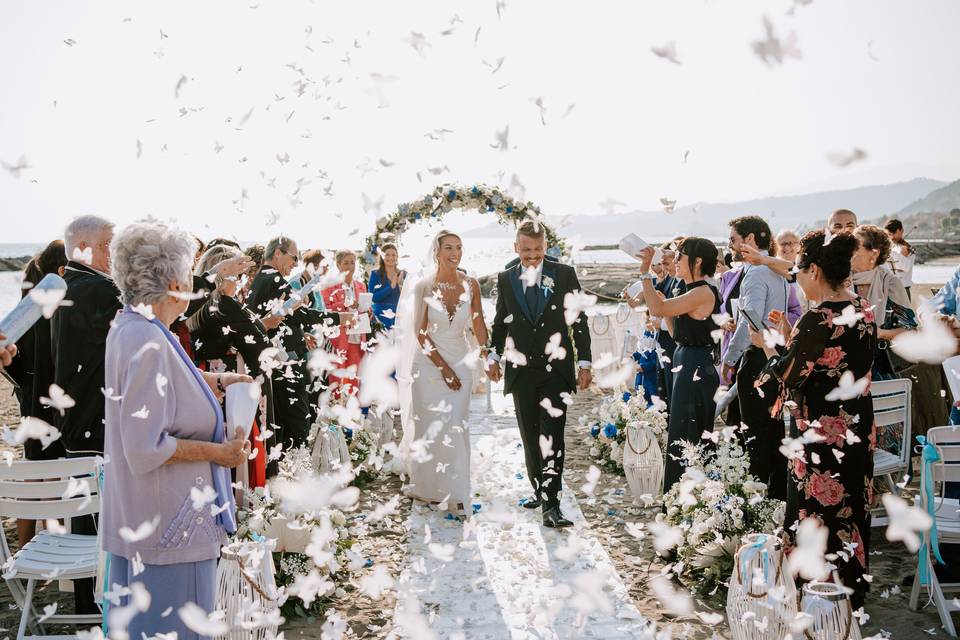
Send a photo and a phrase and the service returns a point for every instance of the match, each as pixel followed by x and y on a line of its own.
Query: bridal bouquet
pixel 608 424
pixel 715 503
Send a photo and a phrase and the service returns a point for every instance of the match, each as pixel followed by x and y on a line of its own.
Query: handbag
pixel 888 364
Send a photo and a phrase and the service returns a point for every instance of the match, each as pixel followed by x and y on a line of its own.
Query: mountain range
pixel 795 211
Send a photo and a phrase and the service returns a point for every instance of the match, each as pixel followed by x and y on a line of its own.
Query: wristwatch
pixel 220 386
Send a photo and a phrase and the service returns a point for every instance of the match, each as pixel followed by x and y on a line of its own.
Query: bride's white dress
pixel 440 466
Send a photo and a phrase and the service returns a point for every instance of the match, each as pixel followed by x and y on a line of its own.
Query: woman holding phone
pixel 690 321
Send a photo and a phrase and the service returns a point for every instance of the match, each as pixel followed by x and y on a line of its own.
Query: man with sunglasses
pixel 270 288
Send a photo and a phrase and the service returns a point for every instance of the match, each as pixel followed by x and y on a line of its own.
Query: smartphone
pixel 754 319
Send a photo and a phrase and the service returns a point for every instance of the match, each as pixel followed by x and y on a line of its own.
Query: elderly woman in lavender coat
pixel 168 503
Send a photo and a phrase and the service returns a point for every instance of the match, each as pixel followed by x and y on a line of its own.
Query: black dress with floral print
pixel 833 478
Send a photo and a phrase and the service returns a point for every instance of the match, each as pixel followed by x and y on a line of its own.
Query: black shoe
pixel 554 519
pixel 531 503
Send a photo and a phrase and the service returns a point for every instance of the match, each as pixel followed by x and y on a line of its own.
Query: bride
pixel 435 377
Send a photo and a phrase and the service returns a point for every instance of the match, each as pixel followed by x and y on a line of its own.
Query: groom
pixel 540 365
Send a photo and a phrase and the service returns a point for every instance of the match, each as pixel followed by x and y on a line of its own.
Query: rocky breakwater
pixel 14 264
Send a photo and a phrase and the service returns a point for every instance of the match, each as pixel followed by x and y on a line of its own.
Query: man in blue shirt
pixel 762 290
pixel 945 301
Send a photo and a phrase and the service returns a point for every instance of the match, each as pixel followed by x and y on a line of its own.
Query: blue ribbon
pixel 930 455
pixel 747 553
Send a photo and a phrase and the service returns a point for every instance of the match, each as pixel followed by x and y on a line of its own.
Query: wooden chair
pixel 28 492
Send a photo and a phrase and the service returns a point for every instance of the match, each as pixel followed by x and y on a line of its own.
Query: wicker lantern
pixel 761 600
pixel 246 590
pixel 830 613
pixel 642 462
pixel 330 451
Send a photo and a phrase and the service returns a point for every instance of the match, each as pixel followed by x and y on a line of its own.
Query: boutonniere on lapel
pixel 546 283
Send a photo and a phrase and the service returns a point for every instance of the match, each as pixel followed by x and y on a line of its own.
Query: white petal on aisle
pixel 504 575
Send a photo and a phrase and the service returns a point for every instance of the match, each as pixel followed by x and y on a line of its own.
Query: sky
pixel 212 114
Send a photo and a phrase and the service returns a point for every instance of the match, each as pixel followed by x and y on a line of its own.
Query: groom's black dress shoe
pixel 532 503
pixel 554 519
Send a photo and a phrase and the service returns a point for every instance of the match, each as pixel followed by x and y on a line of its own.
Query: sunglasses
pixel 295 257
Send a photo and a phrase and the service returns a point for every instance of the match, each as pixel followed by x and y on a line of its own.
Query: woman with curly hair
pixel 831 475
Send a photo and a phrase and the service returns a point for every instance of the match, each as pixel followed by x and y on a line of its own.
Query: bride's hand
pixel 450 377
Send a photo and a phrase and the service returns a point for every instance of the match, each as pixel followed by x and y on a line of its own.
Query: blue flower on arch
pixel 610 430
pixel 595 430
pixel 451 195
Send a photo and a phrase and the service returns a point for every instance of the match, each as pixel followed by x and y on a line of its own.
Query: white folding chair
pixel 947 469
pixel 28 492
pixel 892 406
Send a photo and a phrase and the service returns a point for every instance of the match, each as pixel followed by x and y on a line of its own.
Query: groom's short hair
pixel 531 229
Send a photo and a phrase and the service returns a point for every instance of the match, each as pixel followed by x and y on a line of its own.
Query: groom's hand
pixel 584 378
pixel 494 372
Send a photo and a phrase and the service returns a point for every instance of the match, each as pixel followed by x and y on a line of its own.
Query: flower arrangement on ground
pixel 608 422
pixel 708 512
pixel 313 545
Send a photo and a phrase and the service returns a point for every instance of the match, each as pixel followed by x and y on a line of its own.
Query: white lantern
pixel 330 451
pixel 381 426
pixel 246 590
pixel 761 600
pixel 642 462
pixel 830 613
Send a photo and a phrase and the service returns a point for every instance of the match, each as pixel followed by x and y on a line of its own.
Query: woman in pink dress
pixel 345 297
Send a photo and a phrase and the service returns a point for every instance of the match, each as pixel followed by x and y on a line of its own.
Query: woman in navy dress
pixel 690 320
pixel 385 284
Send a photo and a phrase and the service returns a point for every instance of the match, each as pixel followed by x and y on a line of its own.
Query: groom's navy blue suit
pixel 530 318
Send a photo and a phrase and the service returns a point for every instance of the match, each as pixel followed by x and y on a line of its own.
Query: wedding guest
pixel 78 334
pixel 841 220
pixel 269 290
pixel 32 369
pixel 881 288
pixel 690 317
pixel 164 440
pixel 313 263
pixel 646 359
pixel 7 353
pixel 224 332
pixel 385 284
pixel 902 254
pixel 345 297
pixel 762 290
pixel 788 246
pixel 833 478
pixel 669 285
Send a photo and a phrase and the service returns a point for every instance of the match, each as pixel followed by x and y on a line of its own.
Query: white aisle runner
pixel 502 574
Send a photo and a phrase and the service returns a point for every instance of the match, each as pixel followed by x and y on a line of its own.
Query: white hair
pixel 146 257
pixel 83 229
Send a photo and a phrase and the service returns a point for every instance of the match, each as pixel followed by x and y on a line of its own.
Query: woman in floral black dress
pixel 832 478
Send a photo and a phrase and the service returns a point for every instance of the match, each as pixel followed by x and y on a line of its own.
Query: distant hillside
pixel 940 200
pixel 709 219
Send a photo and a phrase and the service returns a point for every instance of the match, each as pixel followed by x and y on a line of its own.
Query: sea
pixel 481 256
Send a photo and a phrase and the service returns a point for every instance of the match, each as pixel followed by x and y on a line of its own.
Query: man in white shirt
pixel 902 255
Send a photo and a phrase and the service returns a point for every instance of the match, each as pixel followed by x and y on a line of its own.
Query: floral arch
pixel 447 197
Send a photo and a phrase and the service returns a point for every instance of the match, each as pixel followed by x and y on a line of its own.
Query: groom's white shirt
pixel 495 357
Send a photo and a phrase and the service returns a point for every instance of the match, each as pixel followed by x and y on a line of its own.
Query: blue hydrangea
pixel 475 191
pixel 626 396
pixel 610 430
pixel 554 252
pixel 347 431
pixel 451 195
pixel 595 430
pixel 714 475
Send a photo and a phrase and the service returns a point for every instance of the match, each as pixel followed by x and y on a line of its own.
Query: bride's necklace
pixel 446 286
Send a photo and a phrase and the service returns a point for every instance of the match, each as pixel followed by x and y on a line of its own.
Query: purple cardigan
pixel 160 399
